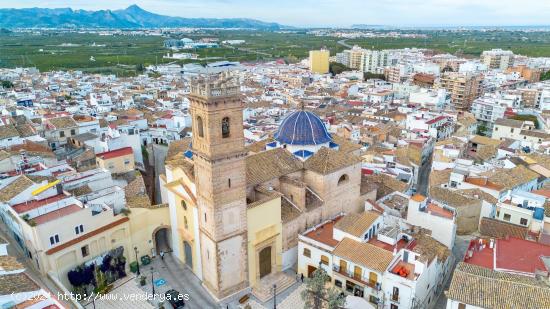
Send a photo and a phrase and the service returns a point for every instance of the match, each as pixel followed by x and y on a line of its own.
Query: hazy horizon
pixel 335 13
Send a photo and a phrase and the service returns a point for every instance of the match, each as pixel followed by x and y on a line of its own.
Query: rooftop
pixel 33 204
pixel 484 288
pixel 56 214
pixel 365 254
pixel 115 153
pixel 357 224
pixel 323 233
pixel 511 255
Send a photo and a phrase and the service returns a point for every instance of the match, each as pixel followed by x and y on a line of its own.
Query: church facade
pixel 235 214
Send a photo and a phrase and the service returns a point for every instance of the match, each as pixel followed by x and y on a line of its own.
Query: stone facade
pixel 218 155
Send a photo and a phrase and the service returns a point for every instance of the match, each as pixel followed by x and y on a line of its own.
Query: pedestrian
pixel 162 255
pixel 302 277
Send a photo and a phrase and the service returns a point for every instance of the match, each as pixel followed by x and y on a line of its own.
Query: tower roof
pixel 302 128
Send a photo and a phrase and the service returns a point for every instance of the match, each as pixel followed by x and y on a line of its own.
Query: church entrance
pixel 162 240
pixel 265 261
pixel 188 254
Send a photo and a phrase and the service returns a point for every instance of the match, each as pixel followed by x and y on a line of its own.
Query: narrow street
pixel 424 177
pixel 459 250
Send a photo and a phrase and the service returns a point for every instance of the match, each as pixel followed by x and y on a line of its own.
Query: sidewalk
pixel 178 277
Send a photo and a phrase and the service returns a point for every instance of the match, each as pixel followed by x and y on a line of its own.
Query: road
pixel 424 177
pixel 14 250
pixel 343 43
pixel 459 250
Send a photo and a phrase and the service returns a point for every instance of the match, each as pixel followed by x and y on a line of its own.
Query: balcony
pixel 359 279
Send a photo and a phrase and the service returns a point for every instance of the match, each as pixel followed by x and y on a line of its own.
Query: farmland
pixel 122 54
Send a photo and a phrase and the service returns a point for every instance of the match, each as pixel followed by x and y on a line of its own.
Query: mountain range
pixel 132 17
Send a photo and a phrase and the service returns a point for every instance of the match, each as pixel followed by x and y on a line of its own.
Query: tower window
pixel 184 204
pixel 343 179
pixel 225 127
pixel 200 128
pixel 204 217
pixel 229 183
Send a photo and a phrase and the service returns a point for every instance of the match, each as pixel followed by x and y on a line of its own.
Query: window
pixel 229 183
pixel 307 252
pixel 54 239
pixel 85 251
pixel 185 222
pixel 507 217
pixel 523 221
pixel 111 166
pixel 225 127
pixel 126 162
pixel 395 294
pixel 357 272
pixel 461 306
pixel 78 229
pixel 324 259
pixel 204 217
pixel 200 129
pixel 72 132
pixel 184 205
pixel 338 283
pixel 343 179
pixel 61 133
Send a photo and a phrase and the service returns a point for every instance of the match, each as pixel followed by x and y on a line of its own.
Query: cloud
pixel 333 12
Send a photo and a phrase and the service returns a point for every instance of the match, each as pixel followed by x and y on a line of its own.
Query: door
pixel 265 261
pixel 343 267
pixel 188 254
pixel 310 270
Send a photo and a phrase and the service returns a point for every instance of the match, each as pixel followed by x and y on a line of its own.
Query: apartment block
pixel 319 61
pixel 463 88
pixel 497 58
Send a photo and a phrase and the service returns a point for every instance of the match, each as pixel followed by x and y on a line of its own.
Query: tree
pixel 545 76
pixel 317 293
pixel 336 68
pixel 482 129
pixel 6 84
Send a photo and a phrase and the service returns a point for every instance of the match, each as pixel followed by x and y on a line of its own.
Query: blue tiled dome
pixel 302 128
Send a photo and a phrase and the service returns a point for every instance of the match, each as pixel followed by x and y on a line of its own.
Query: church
pixel 235 211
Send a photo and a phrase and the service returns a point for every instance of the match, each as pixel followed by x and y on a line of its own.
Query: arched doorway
pixel 162 240
pixel 265 261
pixel 188 254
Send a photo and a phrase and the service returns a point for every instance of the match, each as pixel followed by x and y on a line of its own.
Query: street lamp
pixel 137 262
pixel 274 296
pixel 153 280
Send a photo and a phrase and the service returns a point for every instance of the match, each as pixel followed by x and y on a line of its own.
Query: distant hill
pixel 131 17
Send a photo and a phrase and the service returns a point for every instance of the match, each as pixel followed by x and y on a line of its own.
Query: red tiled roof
pixel 115 153
pixel 400 244
pixel 440 211
pixel 520 255
pixel 56 214
pixel 323 233
pixel 87 235
pixel 30 205
pixel 543 192
pixel 511 255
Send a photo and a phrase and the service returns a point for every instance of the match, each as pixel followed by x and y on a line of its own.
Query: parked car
pixel 175 299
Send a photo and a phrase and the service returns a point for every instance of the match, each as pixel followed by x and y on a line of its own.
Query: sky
pixel 333 13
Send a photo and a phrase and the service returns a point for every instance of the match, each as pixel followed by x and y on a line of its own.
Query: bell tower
pixel 220 178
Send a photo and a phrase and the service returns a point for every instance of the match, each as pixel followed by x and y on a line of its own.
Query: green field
pixel 121 54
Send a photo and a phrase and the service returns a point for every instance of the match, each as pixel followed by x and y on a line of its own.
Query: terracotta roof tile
pixel 365 254
pixel 485 288
pixel 500 229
